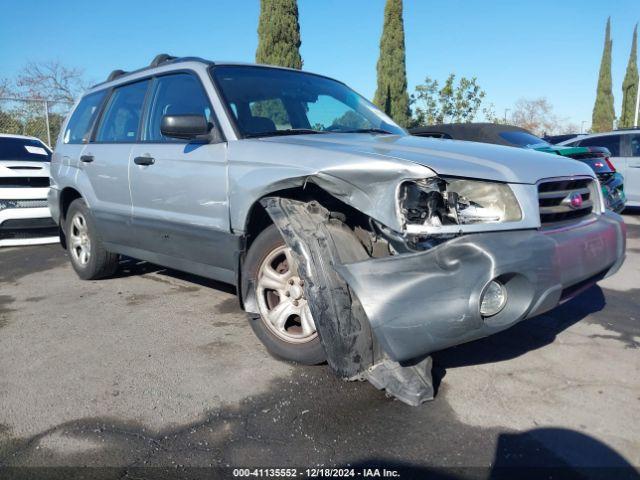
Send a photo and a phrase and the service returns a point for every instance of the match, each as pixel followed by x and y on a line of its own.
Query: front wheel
pixel 285 324
pixel 88 256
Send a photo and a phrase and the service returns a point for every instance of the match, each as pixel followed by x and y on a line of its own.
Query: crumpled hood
pixel 446 157
pixel 22 168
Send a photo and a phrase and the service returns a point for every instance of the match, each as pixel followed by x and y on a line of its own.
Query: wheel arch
pixel 67 195
pixel 258 219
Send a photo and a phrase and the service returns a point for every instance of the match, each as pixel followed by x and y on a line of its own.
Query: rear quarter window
pixel 635 145
pixel 82 119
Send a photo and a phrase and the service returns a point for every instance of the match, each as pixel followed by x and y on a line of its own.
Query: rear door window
pixel 635 145
pixel 121 119
pixel 82 119
pixel 611 142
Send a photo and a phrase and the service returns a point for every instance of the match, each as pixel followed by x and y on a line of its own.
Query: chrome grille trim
pixel 566 199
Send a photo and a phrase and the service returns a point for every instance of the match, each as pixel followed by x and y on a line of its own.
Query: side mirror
pixel 186 127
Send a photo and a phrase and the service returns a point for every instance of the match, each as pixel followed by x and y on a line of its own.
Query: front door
pixel 178 188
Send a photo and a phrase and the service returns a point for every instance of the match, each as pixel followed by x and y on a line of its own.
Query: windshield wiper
pixel 288 131
pixel 366 130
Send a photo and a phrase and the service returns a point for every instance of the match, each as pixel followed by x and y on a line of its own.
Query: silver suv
pixel 624 146
pixel 348 240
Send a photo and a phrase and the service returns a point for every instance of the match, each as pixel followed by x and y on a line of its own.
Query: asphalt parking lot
pixel 154 367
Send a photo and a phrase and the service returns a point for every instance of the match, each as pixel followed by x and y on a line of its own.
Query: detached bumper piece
pixel 411 384
pixel 320 244
pixel 423 302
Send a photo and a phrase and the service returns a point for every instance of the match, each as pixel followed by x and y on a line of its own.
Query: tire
pixel 88 256
pixel 291 342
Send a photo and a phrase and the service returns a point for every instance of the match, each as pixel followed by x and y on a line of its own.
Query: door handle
pixel 144 160
pixel 86 158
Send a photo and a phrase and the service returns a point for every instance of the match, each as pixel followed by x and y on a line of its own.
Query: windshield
pixel 23 149
pixel 524 139
pixel 271 101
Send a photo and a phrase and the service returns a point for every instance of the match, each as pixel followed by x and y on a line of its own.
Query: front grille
pixel 4 204
pixel 26 233
pixel 28 228
pixel 21 182
pixel 565 199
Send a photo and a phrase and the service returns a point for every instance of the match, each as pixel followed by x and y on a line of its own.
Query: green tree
pixel 391 94
pixel 451 103
pixel 279 34
pixel 630 85
pixel 603 112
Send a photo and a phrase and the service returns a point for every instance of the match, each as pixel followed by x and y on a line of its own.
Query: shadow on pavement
pixel 525 336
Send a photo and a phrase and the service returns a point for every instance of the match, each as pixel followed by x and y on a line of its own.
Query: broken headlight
pixel 436 202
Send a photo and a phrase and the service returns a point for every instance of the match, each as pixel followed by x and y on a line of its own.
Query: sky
pixel 516 49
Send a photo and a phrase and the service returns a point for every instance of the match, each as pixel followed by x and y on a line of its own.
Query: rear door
pixel 66 157
pixel 180 208
pixel 106 161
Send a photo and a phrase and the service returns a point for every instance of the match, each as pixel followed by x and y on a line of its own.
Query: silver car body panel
pixel 444 285
pixel 366 170
pixel 205 211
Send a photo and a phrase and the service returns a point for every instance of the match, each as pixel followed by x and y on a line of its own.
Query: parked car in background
pixel 556 139
pixel 25 218
pixel 612 182
pixel 348 240
pixel 624 146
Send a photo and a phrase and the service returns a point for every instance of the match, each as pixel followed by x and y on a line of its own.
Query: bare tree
pixel 51 80
pixel 6 89
pixel 535 115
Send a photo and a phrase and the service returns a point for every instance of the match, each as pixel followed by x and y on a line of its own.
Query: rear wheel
pixel 88 256
pixel 285 324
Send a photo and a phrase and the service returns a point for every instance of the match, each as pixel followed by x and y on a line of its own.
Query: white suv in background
pixel 624 146
pixel 25 218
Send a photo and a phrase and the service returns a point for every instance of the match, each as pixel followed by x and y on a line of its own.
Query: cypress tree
pixel 279 34
pixel 391 95
pixel 603 112
pixel 630 85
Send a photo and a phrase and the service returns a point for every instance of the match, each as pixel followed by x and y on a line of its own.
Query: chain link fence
pixel 34 117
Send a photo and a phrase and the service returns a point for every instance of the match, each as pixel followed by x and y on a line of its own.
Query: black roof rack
pixel 115 74
pixel 158 60
pixel 627 128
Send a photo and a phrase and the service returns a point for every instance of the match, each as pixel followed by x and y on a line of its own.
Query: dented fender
pixel 319 243
pixel 368 183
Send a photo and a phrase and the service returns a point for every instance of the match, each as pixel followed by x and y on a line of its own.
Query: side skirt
pixel 195 268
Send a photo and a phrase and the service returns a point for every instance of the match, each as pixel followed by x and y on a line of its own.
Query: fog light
pixel 493 299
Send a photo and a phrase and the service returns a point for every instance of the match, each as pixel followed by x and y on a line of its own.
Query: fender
pixel 340 320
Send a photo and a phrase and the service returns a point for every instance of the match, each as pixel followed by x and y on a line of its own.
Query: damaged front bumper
pixel 422 302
